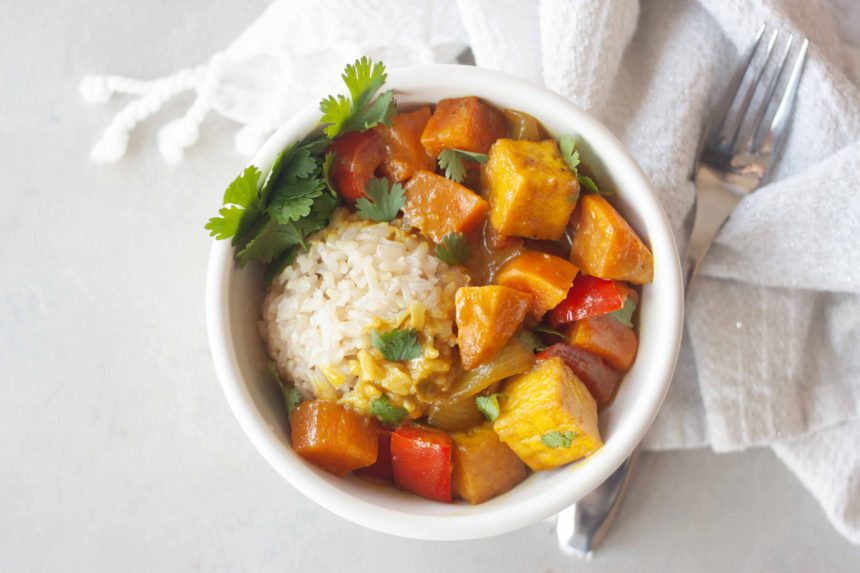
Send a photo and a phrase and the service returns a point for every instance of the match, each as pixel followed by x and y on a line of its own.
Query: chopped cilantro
pixel 381 203
pixel 397 344
pixel 451 160
pixel 388 413
pixel 624 315
pixel 488 406
pixel 571 157
pixel 356 113
pixel 556 439
pixel 453 250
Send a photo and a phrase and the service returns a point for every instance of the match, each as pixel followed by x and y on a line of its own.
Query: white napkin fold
pixel 773 354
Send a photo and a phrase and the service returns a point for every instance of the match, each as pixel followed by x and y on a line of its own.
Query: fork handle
pixel 715 200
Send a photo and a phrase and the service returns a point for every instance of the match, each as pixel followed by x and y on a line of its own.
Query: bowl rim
pixel 505 518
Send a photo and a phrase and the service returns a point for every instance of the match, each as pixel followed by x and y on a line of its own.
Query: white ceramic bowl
pixel 233 309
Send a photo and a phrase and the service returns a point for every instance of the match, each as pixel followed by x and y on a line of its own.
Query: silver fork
pixel 740 144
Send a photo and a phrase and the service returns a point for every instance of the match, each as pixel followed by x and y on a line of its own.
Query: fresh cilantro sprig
pixel 358 112
pixel 291 395
pixel 488 406
pixel 382 203
pixel 386 412
pixel 453 250
pixel 451 160
pixel 557 439
pixel 268 221
pixel 571 157
pixel 624 315
pixel 397 344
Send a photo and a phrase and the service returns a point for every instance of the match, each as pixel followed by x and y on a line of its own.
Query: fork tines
pixel 752 115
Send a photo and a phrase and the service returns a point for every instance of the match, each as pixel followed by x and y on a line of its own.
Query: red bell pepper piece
pixel 601 379
pixel 421 459
pixel 356 157
pixel 589 296
pixel 381 469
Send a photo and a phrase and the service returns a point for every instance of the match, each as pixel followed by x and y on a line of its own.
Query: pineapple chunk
pixel 531 190
pixel 540 407
pixel 605 245
pixel 484 467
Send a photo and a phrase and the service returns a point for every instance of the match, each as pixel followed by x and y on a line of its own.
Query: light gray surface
pixel 118 450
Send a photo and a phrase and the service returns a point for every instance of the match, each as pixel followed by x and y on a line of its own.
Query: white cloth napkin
pixel 773 354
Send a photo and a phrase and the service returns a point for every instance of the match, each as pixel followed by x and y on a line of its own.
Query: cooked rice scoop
pixel 356 276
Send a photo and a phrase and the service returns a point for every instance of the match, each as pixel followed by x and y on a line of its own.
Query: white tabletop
pixel 118 450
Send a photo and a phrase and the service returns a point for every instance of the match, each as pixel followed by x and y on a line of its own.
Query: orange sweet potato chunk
pixel 484 467
pixel 333 437
pixel 487 317
pixel 607 338
pixel 404 153
pixel 606 246
pixel 531 190
pixel 463 123
pixel 437 206
pixel 546 277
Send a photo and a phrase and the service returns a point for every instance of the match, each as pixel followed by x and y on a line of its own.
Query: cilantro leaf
pixel 388 413
pixel 556 439
pixel 570 156
pixel 335 112
pixel 548 330
pixel 451 160
pixel 291 395
pixel 488 406
pixel 270 240
pixel 293 202
pixel 242 207
pixel 453 250
pixel 381 203
pixel 624 315
pixel 363 79
pixel 356 113
pixel 397 344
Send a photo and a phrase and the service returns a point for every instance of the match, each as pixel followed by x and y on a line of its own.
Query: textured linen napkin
pixel 773 352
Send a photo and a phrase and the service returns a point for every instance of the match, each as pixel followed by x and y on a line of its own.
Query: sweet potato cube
pixel 463 123
pixel 332 437
pixel 484 467
pixel 531 190
pixel 548 417
pixel 605 245
pixel 487 317
pixel 404 153
pixel 546 277
pixel 437 206
pixel 604 336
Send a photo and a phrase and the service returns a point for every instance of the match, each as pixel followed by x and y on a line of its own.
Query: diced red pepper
pixel 421 459
pixel 601 379
pixel 589 296
pixel 356 157
pixel 381 470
